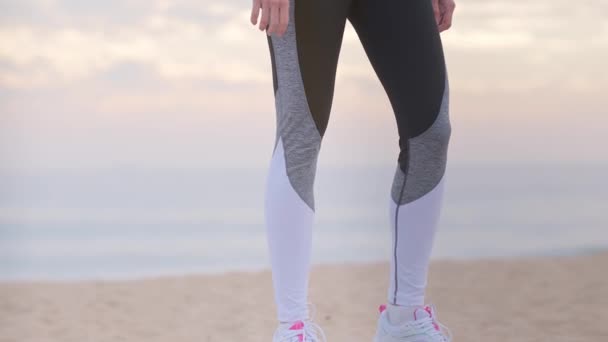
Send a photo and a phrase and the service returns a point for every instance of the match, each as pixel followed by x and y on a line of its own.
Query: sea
pixel 129 222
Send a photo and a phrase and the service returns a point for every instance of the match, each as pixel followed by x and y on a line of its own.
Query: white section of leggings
pixel 413 226
pixel 289 222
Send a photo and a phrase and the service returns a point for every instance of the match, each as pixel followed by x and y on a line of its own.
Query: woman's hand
pixel 275 15
pixel 444 9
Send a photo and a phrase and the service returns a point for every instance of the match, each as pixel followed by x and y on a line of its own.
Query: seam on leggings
pixel 407 166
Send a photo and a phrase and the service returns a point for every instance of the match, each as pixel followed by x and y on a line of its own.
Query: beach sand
pixel 550 299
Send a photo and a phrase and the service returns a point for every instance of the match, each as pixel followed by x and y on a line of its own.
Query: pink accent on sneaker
pixel 436 326
pixel 428 309
pixel 297 326
pixel 382 307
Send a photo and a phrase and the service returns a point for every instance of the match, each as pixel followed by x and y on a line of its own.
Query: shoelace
pixel 311 330
pixel 315 333
pixel 433 328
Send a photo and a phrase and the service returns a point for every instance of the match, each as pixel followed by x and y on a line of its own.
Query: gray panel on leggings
pixel 295 124
pixel 427 158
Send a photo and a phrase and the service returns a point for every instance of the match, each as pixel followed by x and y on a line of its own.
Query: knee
pixel 425 161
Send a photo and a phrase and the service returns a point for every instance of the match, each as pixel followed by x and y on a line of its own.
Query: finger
pixel 436 11
pixel 265 15
pixel 274 20
pixel 255 12
pixel 284 18
pixel 446 23
pixel 446 17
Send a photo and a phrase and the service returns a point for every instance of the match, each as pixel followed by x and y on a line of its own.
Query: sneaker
pixel 423 328
pixel 300 331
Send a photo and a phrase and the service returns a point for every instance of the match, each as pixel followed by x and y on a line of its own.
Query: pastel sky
pixel 187 83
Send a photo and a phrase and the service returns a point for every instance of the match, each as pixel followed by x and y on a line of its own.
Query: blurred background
pixel 135 137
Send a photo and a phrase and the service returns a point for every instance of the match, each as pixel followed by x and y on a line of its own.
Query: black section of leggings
pixel 402 42
pixel 319 31
pixel 400 39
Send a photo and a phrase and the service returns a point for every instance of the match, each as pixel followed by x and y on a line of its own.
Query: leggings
pixel 403 45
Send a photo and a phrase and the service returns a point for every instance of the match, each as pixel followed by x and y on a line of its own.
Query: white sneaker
pixel 300 331
pixel 423 328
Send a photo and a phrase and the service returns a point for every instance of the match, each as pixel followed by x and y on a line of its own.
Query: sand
pixel 526 299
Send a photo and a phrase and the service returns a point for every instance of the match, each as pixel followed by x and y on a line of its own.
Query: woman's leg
pixel 403 44
pixel 304 64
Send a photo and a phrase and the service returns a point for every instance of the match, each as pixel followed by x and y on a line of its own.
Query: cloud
pixel 175 48
pixel 79 80
pixel 50 42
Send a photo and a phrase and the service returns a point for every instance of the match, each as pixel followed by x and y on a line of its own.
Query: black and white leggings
pixel 402 42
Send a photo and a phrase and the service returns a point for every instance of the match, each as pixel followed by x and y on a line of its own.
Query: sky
pixel 187 84
pixel 122 116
